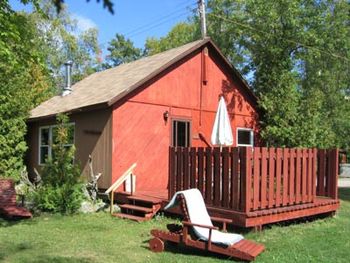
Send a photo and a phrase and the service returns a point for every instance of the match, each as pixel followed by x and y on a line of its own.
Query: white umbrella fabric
pixel 222 132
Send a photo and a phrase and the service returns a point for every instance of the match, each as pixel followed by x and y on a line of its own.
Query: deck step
pixel 131 217
pixel 144 199
pixel 137 208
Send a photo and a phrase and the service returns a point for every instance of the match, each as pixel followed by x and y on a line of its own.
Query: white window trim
pixel 251 136
pixel 49 152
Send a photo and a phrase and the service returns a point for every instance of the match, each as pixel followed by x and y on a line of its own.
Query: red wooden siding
pixel 249 180
pixel 141 135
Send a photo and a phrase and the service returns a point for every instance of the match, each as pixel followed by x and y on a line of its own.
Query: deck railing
pixel 327 175
pixel 251 179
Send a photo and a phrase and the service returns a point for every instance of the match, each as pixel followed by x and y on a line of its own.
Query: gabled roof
pixel 102 89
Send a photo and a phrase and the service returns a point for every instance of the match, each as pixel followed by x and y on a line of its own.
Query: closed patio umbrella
pixel 222 132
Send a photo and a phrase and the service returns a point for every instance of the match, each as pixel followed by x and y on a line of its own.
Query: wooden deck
pixel 253 187
pixel 257 186
pixel 319 206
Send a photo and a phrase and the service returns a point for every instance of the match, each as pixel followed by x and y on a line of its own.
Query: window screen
pixel 181 133
pixel 245 137
pixel 48 136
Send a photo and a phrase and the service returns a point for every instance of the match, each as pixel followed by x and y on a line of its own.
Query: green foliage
pixel 108 4
pixel 296 55
pixel 23 83
pixel 180 34
pixel 60 40
pixel 121 50
pixel 61 190
pixel 33 49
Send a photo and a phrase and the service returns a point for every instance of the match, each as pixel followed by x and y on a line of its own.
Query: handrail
pixel 119 182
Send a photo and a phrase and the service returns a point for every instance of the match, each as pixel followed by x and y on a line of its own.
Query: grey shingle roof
pixel 108 86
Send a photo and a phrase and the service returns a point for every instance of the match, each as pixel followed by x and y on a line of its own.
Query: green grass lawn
pixel 101 238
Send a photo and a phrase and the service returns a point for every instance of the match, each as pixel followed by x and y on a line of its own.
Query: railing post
pixel 131 184
pixel 246 177
pixel 333 176
pixel 112 202
pixel 321 171
pixel 171 177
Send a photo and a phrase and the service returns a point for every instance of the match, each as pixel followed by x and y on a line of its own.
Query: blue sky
pixel 136 19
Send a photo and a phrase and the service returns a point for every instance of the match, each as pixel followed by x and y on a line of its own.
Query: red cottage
pixel 157 113
pixel 133 113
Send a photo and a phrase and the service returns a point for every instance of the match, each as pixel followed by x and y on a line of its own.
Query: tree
pixel 33 49
pixel 106 4
pixel 59 4
pixel 296 56
pixel 121 50
pixel 23 83
pixel 180 34
pixel 61 40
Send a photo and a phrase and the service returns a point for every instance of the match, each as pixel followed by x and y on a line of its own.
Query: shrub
pixel 61 189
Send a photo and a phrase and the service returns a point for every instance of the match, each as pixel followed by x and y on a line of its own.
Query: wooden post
pixel 186 169
pixel 303 177
pixel 292 177
pixel 314 174
pixel 193 173
pixel 320 190
pixel 225 178
pixel 263 178
pixel 201 170
pixel 278 176
pixel 112 202
pixel 256 178
pixel 179 166
pixel 171 177
pixel 333 176
pixel 208 176
pixel 271 177
pixel 298 177
pixel 310 178
pixel 234 179
pixel 285 177
pixel 132 184
pixel 217 176
pixel 246 178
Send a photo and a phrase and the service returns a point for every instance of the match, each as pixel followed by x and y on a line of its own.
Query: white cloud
pixel 84 23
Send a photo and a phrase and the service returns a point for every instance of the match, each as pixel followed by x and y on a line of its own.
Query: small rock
pixel 90 207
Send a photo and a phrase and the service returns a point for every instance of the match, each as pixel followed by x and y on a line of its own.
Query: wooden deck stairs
pixel 139 208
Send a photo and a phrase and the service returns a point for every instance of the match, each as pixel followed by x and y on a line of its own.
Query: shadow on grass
pixel 12 248
pixel 344 193
pixel 58 259
pixel 18 248
pixel 175 248
pixel 5 222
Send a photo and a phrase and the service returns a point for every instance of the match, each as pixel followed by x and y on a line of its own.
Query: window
pixel 181 135
pixel 47 136
pixel 245 137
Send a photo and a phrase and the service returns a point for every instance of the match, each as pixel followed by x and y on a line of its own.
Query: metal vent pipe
pixel 68 85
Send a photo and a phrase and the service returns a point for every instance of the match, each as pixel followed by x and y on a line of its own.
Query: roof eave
pixel 97 106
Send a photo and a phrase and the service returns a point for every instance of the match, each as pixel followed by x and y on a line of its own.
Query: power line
pixel 289 40
pixel 159 24
pixel 147 27
pixel 165 17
